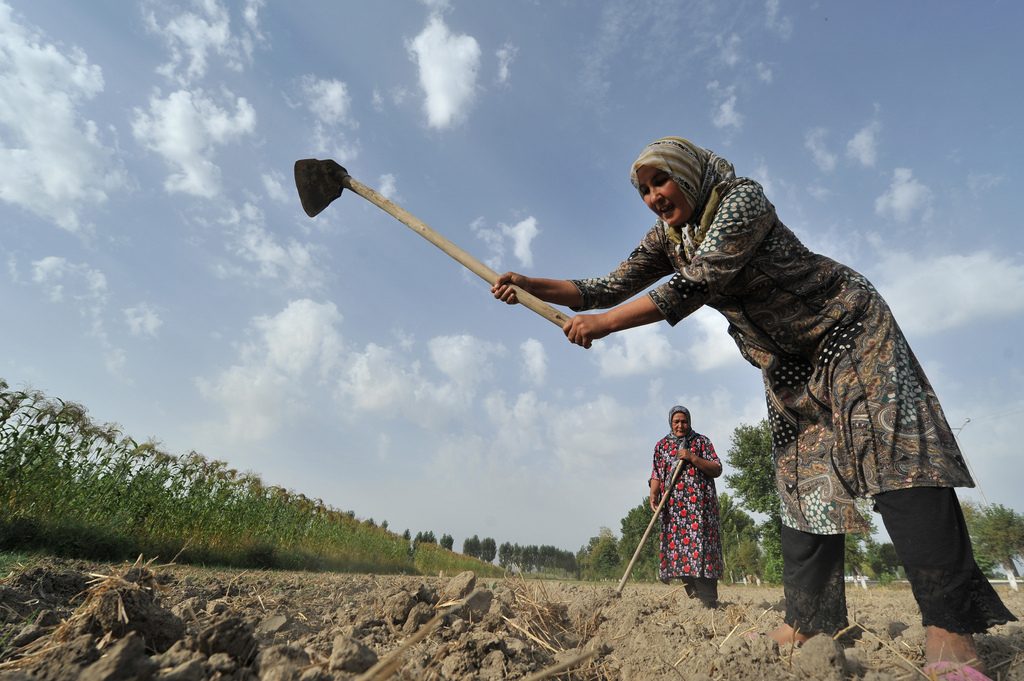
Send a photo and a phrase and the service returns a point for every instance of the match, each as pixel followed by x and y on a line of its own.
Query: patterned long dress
pixel 851 411
pixel 691 544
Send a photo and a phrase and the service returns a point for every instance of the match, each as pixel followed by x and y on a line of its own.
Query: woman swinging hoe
pixel 851 411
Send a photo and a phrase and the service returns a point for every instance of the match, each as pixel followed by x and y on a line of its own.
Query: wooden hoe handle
pixel 472 264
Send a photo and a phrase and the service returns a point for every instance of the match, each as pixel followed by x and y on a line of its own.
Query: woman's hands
pixel 705 466
pixel 655 493
pixel 583 329
pixel 502 288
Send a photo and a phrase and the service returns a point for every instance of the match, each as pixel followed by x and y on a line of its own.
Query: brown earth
pixel 72 620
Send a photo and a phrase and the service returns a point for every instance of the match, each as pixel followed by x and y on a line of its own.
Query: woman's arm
pixel 584 329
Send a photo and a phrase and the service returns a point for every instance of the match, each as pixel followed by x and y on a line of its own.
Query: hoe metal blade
pixel 319 183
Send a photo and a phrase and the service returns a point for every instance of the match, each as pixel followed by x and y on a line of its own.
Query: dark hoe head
pixel 319 183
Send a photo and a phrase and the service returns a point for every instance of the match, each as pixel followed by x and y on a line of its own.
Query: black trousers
pixel 703 588
pixel 928 531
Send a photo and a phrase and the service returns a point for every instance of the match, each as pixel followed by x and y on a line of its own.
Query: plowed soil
pixel 74 620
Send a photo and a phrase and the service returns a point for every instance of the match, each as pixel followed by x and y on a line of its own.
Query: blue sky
pixel 159 269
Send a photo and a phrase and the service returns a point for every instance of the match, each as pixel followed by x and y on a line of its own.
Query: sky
pixel 157 266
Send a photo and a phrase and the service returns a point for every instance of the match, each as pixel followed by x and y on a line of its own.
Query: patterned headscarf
pixel 698 172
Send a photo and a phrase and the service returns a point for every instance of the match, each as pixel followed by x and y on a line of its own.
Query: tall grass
pixel 72 487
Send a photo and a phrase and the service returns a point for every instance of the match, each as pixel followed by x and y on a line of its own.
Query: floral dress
pixel 852 412
pixel 690 540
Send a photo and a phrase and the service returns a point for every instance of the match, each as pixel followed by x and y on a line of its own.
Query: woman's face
pixel 663 196
pixel 680 424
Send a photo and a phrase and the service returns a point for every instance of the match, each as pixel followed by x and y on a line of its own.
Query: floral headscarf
pixel 698 172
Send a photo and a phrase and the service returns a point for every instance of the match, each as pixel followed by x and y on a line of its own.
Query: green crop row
pixel 73 487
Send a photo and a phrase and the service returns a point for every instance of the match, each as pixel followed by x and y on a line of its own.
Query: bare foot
pixel 942 645
pixel 786 635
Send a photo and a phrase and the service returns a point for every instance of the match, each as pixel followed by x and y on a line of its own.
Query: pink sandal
pixel 945 670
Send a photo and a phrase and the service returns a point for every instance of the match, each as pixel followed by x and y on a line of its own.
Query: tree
pixel 488 549
pixel 750 453
pixel 505 555
pixel 881 559
pixel 738 531
pixel 599 559
pixel 997 533
pixel 447 542
pixel 471 546
pixel 633 526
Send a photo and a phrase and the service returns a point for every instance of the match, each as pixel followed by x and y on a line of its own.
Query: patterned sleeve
pixel 707 450
pixel 741 222
pixel 656 473
pixel 645 265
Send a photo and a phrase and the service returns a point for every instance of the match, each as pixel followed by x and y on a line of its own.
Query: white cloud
pixel 929 295
pixel 53 272
pixel 267 384
pixel 273 184
pixel 192 37
pixel 506 54
pixel 642 350
pixel 388 187
pixel 980 184
pixel 599 433
pixel 522 234
pixel 764 72
pixel 448 67
pixel 535 361
pixel 715 347
pixel 52 160
pixel 863 147
pixel 142 320
pixel 724 113
pixel 519 428
pixel 729 49
pixel 392 382
pixel 819 192
pixel 375 380
pixel 464 359
pixel 764 177
pixel 493 241
pixel 329 102
pixel 185 128
pixel 778 23
pixel 87 288
pixel 905 198
pixel 290 262
pixel 814 141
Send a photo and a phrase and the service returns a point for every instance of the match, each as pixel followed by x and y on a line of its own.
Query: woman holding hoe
pixel 691 545
pixel 851 411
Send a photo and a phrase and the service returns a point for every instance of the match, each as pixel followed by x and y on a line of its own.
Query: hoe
pixel 321 181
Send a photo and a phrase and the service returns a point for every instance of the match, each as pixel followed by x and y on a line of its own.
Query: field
pixel 71 620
